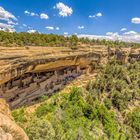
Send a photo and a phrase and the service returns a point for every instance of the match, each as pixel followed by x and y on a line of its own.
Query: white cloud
pixel 24 25
pixel 29 27
pixel 130 33
pixel 27 12
pixel 112 34
pixel 96 15
pixel 109 33
pixel 30 13
pixel 9 18
pixel 44 16
pixel 92 16
pixel 66 33
pixel 135 20
pixel 33 14
pixel 81 27
pixel 64 10
pixel 123 29
pixel 57 28
pixel 94 36
pixel 6 16
pixel 50 27
pixel 3 25
pixel 10 22
pixel 130 36
pixel 99 15
pixel 6 27
pixel 32 31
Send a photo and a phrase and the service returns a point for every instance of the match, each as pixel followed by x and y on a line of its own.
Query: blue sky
pixel 86 17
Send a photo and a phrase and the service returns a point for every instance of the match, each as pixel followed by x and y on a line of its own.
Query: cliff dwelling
pixel 30 74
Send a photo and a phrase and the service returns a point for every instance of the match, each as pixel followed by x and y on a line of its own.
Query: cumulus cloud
pixel 96 15
pixel 66 33
pixel 112 34
pixel 6 16
pixel 10 22
pixel 3 25
pixel 44 16
pixel 130 36
pixel 64 10
pixel 109 33
pixel 135 20
pixel 32 31
pixel 130 33
pixel 50 27
pixel 57 28
pixel 6 27
pixel 81 27
pixel 9 18
pixel 30 13
pixel 92 16
pixel 123 29
pixel 99 15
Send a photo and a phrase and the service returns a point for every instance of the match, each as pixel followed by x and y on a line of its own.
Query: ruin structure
pixel 27 74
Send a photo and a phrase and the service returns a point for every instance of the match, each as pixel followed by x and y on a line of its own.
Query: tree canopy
pixel 36 39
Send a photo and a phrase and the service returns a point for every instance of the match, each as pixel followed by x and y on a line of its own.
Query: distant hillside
pixel 35 39
pixel 107 109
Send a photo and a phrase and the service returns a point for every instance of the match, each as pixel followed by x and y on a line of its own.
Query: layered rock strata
pixel 26 75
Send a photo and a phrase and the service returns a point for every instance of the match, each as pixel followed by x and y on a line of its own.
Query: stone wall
pixel 24 90
pixel 26 82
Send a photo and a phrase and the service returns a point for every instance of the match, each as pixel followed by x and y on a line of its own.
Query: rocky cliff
pixel 27 74
pixel 9 130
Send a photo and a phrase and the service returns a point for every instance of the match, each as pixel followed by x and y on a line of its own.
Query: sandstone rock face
pixel 26 75
pixel 9 130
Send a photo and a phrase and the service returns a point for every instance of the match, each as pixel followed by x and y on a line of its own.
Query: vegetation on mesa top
pixel 35 39
pixel 108 109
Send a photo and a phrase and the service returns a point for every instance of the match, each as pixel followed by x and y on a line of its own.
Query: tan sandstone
pixel 9 130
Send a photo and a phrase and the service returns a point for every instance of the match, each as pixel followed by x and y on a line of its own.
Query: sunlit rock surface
pixel 27 74
pixel 9 130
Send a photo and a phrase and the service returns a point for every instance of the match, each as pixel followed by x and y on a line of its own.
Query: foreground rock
pixel 9 130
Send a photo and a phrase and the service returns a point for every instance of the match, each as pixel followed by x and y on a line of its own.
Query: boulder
pixel 9 130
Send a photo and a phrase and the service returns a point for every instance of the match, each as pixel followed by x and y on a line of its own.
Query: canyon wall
pixel 27 76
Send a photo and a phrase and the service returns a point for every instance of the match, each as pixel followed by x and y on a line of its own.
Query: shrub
pixel 108 103
pixel 133 119
pixel 19 115
pixel 44 109
pixel 40 129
